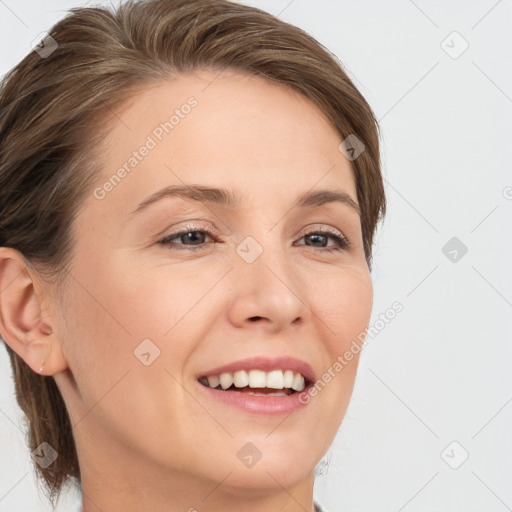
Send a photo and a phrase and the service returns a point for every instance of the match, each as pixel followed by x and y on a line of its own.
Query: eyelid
pixel 343 242
pixel 213 231
pixel 312 227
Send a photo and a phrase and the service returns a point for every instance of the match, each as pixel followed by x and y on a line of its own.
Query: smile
pixel 275 392
pixel 257 382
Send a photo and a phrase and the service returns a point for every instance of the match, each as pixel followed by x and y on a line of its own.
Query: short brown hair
pixel 51 108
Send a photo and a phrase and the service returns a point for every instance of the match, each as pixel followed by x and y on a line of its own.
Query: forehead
pixel 234 130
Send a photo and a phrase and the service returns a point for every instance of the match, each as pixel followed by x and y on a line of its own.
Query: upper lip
pixel 267 364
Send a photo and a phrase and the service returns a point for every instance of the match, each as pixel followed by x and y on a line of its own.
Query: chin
pixel 262 466
pixel 273 474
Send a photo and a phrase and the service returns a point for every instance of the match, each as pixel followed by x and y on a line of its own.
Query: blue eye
pixel 343 243
pixel 198 236
pixel 181 234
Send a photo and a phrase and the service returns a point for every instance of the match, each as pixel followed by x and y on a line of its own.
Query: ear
pixel 21 324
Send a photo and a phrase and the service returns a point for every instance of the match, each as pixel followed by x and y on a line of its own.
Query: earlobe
pixel 21 325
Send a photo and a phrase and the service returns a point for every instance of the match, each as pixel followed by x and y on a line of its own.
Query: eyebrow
pixel 227 198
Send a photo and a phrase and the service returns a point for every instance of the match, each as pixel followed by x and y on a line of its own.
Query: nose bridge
pixel 265 278
pixel 262 249
pixel 260 233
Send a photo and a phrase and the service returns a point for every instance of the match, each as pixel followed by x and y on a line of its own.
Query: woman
pixel 189 193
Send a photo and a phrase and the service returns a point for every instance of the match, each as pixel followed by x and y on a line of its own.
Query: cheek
pixel 162 303
pixel 103 327
pixel 104 319
pixel 341 304
pixel 345 304
pixel 97 337
pixel 345 308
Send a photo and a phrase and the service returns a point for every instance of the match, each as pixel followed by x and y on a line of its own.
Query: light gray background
pixel 440 371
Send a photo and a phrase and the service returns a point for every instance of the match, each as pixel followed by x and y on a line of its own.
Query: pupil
pixel 316 236
pixel 191 235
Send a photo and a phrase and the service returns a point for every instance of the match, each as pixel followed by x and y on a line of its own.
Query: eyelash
pixel 343 242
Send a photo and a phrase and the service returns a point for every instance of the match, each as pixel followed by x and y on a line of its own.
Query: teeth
pixel 213 381
pixel 298 382
pixel 288 378
pixel 275 379
pixel 257 379
pixel 226 379
pixel 241 379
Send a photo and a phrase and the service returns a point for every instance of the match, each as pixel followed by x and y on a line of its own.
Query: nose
pixel 267 291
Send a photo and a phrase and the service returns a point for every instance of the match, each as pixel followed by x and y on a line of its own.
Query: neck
pixel 119 480
pixel 184 494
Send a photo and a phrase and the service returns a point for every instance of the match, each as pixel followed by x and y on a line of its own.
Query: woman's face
pixel 143 320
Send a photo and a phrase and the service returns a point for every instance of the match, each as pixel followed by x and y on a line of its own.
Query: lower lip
pixel 266 405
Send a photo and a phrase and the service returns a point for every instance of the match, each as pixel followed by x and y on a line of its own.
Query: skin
pixel 146 438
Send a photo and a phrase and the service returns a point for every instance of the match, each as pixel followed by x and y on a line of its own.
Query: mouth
pixel 257 382
pixel 260 385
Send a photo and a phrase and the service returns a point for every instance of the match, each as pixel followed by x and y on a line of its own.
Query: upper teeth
pixel 275 379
